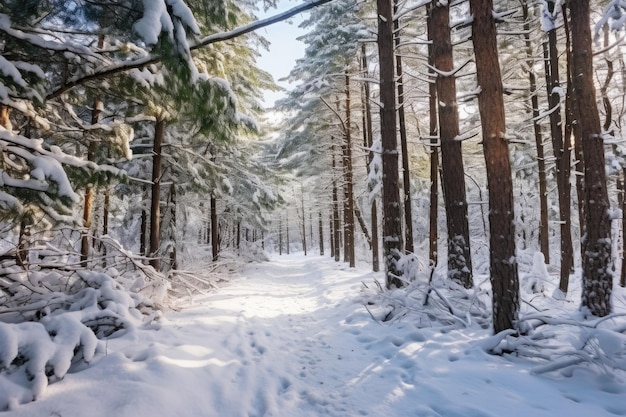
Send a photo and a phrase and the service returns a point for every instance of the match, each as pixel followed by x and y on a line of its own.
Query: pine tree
pixel 597 277
pixel 503 263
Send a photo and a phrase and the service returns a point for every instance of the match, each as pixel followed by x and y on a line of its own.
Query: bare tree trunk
pixel 606 102
pixel 89 191
pixel 433 235
pixel 287 233
pixel 215 231
pixel 238 234
pixel 335 208
pixel 303 219
pixel 155 208
pixel 347 164
pixel 392 216
pixel 143 242
pixel 321 233
pixel 561 154
pixel 406 173
pixel 173 253
pixel 105 221
pixel 573 113
pixel 597 278
pixel 280 235
pixel 503 263
pixel 361 220
pixel 544 231
pixel 453 173
pixel 331 235
pixel 369 139
pixel 622 280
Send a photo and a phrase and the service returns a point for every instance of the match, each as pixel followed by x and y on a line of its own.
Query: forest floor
pixel 292 337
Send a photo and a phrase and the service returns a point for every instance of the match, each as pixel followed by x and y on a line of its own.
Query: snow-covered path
pixel 291 339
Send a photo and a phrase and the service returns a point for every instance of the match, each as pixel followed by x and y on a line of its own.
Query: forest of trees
pixel 439 132
pixel 538 86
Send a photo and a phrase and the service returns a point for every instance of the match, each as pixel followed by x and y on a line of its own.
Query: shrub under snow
pixel 55 318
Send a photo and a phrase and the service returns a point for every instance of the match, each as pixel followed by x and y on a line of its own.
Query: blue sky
pixel 284 48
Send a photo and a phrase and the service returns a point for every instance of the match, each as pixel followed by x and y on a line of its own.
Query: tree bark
pixel 597 278
pixel 433 235
pixel 287 233
pixel 544 231
pixel 155 207
pixel 622 280
pixel 574 115
pixel 280 235
pixel 89 191
pixel 406 173
pixel 321 233
pixel 502 262
pixel 331 234
pixel 349 195
pixel 392 216
pixel 303 219
pixel 453 173
pixel 562 154
pixel 369 141
pixel 361 220
pixel 143 239
pixel 173 253
pixel 215 231
pixel 336 231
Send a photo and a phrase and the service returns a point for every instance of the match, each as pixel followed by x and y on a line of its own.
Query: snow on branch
pixel 453 71
pixel 112 69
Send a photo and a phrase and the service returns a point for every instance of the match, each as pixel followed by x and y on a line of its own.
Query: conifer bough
pixel 208 40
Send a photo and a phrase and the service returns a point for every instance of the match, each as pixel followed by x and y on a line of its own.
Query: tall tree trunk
pixel 562 153
pixel 622 280
pixel 89 191
pixel 392 216
pixel 215 231
pixel 238 234
pixel 406 173
pixel 105 222
pixel 349 195
pixel 155 208
pixel 574 115
pixel 597 278
pixel 606 102
pixel 433 236
pixel 453 173
pixel 303 219
pixel 331 234
pixel 143 239
pixel 503 263
pixel 361 220
pixel 287 233
pixel 544 231
pixel 321 233
pixel 369 141
pixel 280 235
pixel 173 253
pixel 336 231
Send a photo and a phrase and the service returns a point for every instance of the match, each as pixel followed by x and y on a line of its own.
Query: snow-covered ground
pixel 292 338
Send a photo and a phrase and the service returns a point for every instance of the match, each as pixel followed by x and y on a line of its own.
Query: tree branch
pixel 208 40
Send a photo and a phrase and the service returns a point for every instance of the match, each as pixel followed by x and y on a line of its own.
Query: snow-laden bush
pixel 552 333
pixel 55 316
pixel 428 300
